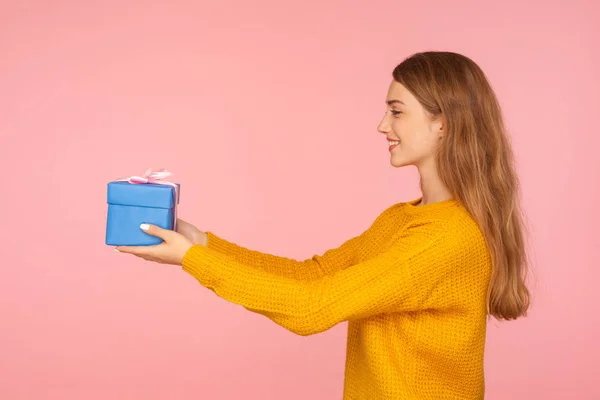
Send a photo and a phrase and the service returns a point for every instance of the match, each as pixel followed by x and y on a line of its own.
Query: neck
pixel 432 187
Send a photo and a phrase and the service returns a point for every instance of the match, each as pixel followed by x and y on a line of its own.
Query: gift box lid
pixel 142 195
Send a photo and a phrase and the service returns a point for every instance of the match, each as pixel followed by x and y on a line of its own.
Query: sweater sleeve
pixel 306 270
pixel 406 277
pixel 314 268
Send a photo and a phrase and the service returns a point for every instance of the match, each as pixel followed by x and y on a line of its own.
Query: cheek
pixel 414 137
pixel 403 128
pixel 424 145
pixel 400 128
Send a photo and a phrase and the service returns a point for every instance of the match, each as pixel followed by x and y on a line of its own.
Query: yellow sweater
pixel 412 288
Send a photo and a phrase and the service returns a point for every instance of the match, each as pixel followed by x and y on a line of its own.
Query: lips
pixel 392 142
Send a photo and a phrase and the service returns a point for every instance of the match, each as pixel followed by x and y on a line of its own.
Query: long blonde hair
pixel 476 163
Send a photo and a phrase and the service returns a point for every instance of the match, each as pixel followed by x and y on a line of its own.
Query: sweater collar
pixel 413 206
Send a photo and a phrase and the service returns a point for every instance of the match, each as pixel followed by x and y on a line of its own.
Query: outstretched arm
pixel 305 270
pixel 404 278
pixel 311 269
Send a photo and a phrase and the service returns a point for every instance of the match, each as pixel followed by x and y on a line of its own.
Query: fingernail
pixel 117 250
pixel 144 227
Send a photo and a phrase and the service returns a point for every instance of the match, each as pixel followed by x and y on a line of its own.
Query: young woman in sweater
pixel 418 286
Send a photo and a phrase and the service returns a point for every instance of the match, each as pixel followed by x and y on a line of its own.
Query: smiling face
pixel 412 134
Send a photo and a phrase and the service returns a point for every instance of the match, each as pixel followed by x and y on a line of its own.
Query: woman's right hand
pixel 191 233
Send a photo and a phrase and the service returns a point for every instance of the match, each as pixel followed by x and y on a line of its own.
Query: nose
pixel 384 126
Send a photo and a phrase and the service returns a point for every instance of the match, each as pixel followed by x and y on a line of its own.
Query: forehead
pixel 397 91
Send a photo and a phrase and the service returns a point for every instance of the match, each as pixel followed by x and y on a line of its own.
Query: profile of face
pixel 412 134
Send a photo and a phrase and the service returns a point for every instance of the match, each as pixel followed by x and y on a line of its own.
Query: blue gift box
pixel 130 205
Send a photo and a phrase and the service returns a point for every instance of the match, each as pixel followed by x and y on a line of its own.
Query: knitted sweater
pixel 412 288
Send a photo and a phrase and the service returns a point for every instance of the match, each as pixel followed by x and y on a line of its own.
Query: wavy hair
pixel 475 161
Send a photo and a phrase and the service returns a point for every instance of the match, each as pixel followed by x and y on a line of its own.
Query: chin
pixel 398 162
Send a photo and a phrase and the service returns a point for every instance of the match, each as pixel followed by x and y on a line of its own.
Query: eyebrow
pixel 391 102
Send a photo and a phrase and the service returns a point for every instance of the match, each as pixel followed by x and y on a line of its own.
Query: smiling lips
pixel 393 144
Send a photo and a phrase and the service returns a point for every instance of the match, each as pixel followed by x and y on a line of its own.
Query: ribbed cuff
pixel 214 242
pixel 206 265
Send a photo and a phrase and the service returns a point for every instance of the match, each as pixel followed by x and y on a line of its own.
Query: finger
pixel 141 251
pixel 151 259
pixel 182 226
pixel 154 230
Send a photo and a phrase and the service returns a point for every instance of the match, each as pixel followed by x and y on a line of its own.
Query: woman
pixel 417 287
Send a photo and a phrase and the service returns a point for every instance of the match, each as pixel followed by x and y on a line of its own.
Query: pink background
pixel 267 113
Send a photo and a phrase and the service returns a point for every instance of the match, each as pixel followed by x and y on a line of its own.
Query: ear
pixel 438 126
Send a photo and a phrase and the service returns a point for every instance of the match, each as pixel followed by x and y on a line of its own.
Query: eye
pixel 395 113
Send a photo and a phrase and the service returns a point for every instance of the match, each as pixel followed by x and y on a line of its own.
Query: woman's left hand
pixel 171 251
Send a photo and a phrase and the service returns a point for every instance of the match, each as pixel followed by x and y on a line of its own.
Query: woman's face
pixel 412 134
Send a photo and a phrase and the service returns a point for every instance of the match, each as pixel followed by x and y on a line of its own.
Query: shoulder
pixel 390 213
pixel 463 225
pixel 450 223
pixel 463 236
pixel 451 227
pixel 395 210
